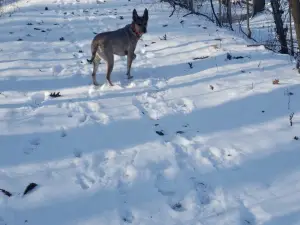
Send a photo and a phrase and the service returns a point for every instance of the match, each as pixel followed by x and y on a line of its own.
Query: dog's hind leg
pixel 110 66
pixel 96 62
pixel 108 56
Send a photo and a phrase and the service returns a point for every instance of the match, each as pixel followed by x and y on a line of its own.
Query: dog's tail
pixel 94 50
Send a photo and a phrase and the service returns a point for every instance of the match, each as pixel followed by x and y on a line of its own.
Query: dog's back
pixel 117 41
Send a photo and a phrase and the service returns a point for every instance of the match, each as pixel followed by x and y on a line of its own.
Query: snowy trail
pixel 195 138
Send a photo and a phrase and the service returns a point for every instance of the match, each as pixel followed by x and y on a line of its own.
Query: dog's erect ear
pixel 134 15
pixel 145 14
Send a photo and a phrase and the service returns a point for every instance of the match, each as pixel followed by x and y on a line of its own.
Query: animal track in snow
pixel 36 99
pixel 56 70
pixel 84 180
pixel 86 111
pixel 203 191
pixel 63 132
pixel 84 176
pixel 90 170
pixel 34 144
pixel 156 106
pixel 127 216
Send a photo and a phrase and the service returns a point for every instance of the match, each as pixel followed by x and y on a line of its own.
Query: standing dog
pixel 119 42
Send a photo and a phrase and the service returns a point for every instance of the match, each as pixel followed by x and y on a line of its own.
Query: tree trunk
pixel 295 6
pixel 191 5
pixel 229 16
pixel 280 30
pixel 214 13
pixel 258 6
pixel 220 12
pixel 248 20
pixel 291 29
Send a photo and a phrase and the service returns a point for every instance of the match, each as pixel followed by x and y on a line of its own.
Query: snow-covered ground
pixel 262 25
pixel 204 143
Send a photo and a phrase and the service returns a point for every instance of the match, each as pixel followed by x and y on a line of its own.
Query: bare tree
pixel 280 30
pixel 229 15
pixel 220 12
pixel 295 8
pixel 248 20
pixel 291 29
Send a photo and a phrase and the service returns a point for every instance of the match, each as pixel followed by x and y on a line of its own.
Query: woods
pixel 275 25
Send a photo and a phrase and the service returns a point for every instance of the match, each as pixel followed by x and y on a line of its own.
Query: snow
pixel 205 143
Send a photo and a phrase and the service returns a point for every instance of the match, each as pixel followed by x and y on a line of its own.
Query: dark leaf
pixel 6 192
pixel 177 207
pixel 29 188
pixel 229 57
pixel 55 95
pixel 180 132
pixel 160 133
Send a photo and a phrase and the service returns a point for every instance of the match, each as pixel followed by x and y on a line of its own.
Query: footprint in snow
pixel 38 98
pixel 84 181
pixel 34 143
pixel 127 216
pixel 63 132
pixel 56 70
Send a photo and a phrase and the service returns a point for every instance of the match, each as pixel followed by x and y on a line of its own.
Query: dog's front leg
pixel 130 57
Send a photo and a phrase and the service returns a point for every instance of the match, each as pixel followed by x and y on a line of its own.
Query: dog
pixel 119 42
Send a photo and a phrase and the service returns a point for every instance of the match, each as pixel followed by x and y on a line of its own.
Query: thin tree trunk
pixel 220 11
pixel 229 16
pixel 248 20
pixel 291 28
pixel 295 8
pixel 281 32
pixel 214 13
pixel 191 5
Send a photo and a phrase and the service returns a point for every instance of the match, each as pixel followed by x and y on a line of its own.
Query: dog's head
pixel 140 22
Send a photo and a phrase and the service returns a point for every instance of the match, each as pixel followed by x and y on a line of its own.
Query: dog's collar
pixel 138 35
